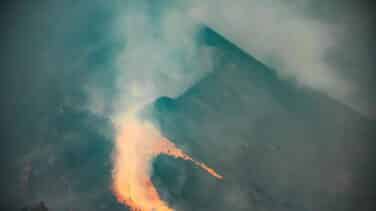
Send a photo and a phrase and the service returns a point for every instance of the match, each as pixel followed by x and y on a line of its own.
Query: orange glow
pixel 137 144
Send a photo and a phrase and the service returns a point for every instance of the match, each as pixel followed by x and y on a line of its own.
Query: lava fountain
pixel 138 142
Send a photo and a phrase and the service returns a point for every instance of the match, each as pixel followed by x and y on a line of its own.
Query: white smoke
pixel 295 45
pixel 160 56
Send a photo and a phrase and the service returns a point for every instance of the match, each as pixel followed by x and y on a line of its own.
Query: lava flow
pixel 137 144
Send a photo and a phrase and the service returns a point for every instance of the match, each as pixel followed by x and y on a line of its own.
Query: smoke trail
pixel 160 58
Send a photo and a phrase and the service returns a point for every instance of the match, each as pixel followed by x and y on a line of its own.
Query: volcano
pixel 280 145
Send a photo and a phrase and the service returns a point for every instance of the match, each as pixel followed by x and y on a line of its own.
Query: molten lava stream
pixel 137 144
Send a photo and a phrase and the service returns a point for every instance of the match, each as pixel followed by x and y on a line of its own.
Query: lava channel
pixel 137 144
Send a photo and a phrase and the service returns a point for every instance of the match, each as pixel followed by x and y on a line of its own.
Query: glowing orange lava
pixel 137 144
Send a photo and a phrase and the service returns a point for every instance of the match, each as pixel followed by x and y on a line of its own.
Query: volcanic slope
pixel 279 146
